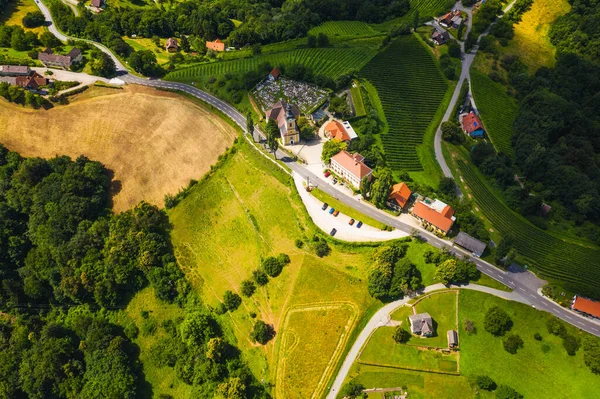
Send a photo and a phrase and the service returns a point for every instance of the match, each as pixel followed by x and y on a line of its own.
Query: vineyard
pixel 497 110
pixel 344 28
pixel 426 8
pixel 411 89
pixel 574 265
pixel 329 62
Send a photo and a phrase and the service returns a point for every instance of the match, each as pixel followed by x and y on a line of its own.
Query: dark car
pixel 359 225
pixel 325 205
pixel 332 233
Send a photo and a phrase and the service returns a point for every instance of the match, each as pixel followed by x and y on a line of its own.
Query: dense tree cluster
pixel 392 275
pixel 450 269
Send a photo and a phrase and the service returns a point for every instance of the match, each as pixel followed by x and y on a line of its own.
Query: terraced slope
pixel 411 89
pixel 343 28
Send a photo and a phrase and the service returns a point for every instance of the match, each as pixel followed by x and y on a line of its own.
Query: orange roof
pixel 217 45
pixel 336 131
pixel 400 194
pixel 352 163
pixel 442 220
pixel 587 306
pixel 471 122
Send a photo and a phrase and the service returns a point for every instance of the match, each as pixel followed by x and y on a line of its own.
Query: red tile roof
pixel 217 45
pixel 587 306
pixel 352 163
pixel 400 194
pixel 442 220
pixel 336 131
pixel 275 73
pixel 471 122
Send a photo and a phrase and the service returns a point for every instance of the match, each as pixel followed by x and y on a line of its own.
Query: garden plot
pixel 305 95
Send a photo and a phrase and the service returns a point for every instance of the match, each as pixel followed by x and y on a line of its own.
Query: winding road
pixel 524 283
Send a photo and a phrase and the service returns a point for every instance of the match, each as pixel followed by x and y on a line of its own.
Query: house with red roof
pixel 586 306
pixel 471 125
pixel 399 196
pixel 436 216
pixel 350 167
pixel 217 45
pixel 274 75
pixel 343 131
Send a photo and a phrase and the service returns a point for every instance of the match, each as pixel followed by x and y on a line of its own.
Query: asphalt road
pixel 523 282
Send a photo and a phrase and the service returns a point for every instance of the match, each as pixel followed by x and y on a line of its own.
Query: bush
pixel 506 392
pixel 247 289
pixel 571 344
pixel 497 322
pixel 299 243
pixel 537 336
pixel 231 300
pixel 513 343
pixel 401 336
pixel 283 258
pixel 131 331
pixel 272 266
pixel 262 332
pixel 591 354
pixel 33 19
pixel 352 390
pixel 470 327
pixel 485 382
pixel 148 327
pixel 556 327
pixel 260 277
pixel 322 249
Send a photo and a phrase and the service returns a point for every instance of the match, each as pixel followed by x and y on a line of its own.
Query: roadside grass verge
pixel 346 209
pixel 359 106
pixel 545 363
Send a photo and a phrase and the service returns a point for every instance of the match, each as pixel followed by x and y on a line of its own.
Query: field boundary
pixel 393 366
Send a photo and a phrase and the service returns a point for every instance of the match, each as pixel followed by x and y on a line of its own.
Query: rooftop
pixel 470 243
pixel 443 219
pixel 352 163
pixel 471 122
pixel 587 306
pixel 400 194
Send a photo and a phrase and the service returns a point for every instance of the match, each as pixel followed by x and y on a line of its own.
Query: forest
pixel 67 262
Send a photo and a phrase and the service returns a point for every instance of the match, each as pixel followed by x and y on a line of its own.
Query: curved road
pixel 524 283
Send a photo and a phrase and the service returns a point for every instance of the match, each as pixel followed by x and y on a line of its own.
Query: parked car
pixel 336 213
pixel 359 225
pixel 331 211
pixel 327 174
pixel 332 233
pixel 325 205
pixel 351 222
pixel 335 180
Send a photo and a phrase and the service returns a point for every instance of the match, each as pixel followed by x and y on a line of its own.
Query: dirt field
pixel 155 142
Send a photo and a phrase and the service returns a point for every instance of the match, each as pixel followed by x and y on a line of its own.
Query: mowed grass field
pixel 16 10
pixel 162 56
pixel 441 306
pixel 549 371
pixel 531 42
pixel 154 141
pixel 497 110
pixel 248 209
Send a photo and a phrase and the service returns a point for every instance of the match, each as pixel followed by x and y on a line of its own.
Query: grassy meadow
pixel 162 55
pixel 16 10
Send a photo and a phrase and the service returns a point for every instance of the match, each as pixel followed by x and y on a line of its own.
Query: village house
pixel 172 46
pixel 436 216
pixel 217 45
pixel 350 167
pixel 421 324
pixel 49 59
pixel 469 243
pixel 471 125
pixel 452 339
pixel 31 82
pixel 343 131
pixel 449 20
pixel 399 196
pixel 285 115
pixel 586 306
pixel 98 3
pixel 440 37
pixel 15 70
pixel 274 74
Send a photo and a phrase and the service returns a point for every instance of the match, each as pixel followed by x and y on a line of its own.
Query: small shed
pixel 452 339
pixel 472 244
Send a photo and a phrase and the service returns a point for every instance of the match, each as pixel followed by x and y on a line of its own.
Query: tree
pixel 272 266
pixel 556 327
pixel 248 288
pixel 352 390
pixel 262 332
pixel 215 349
pixel 485 382
pixel 482 151
pixel 144 62
pixel 513 343
pixel 452 133
pixel 272 133
pixel 497 322
pixel 401 336
pixel 445 271
pixel 234 388
pixel 231 300
pixel 416 20
pixel 185 43
pixel 591 354
pixel 322 40
pixel 260 277
pixel 330 148
pixel 571 344
pixel 321 248
pixel 198 328
pixel 49 40
pixel 339 106
pixel 382 187
pixel 34 19
pixel 250 125
pixel 448 186
pixel 311 41
pixel 102 64
pixel 506 392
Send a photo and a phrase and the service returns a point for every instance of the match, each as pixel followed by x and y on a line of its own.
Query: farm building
pixel 172 45
pixel 217 45
pixel 471 125
pixel 350 167
pixel 15 70
pixel 49 59
pixel 452 339
pixel 285 114
pixel 421 324
pixel 436 215
pixel 399 196
pixel 448 20
pixel 97 3
pixel 440 37
pixel 335 130
pixel 586 306
pixel 472 244
pixel 274 74
pixel 17 77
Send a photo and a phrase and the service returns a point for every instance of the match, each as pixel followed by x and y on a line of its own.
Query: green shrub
pixel 262 332
pixel 537 336
pixel 248 288
pixel 283 258
pixel 260 277
pixel 556 327
pixel 352 390
pixel 272 266
pixel 470 327
pixel 497 322
pixel 571 344
pixel 231 300
pixel 299 243
pixel 591 354
pixel 513 343
pixel 148 327
pixel 401 336
pixel 131 331
pixel 322 249
pixel 485 382
pixel 506 392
